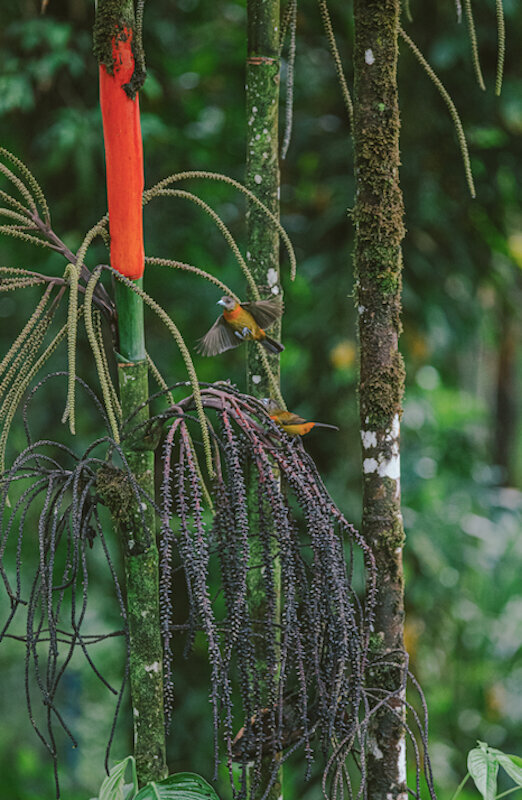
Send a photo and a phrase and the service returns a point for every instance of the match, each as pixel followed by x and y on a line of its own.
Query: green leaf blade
pixel 112 787
pixel 483 768
pixel 180 786
pixel 511 764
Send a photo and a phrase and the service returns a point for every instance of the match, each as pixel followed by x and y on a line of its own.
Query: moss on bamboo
pixel 141 571
pixel 114 20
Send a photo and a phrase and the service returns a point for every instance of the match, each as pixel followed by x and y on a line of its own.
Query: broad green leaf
pixel 483 768
pixel 511 764
pixel 112 787
pixel 129 790
pixel 180 786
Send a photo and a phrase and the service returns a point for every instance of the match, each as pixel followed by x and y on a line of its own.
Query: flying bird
pixel 241 322
pixel 291 423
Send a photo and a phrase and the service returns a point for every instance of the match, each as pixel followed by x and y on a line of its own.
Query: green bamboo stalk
pixel 378 217
pixel 140 551
pixel 262 179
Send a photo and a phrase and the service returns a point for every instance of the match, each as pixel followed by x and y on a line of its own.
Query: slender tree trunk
pixel 262 178
pixel 115 43
pixel 379 232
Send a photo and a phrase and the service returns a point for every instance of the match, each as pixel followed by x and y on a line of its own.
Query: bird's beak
pixel 220 303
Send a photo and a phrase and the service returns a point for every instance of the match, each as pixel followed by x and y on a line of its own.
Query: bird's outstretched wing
pixel 265 312
pixel 218 339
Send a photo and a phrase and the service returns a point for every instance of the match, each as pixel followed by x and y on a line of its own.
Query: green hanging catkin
pixel 271 377
pixel 101 366
pixel 290 69
pixel 97 319
pixel 160 380
pixel 15 204
pixel 71 275
pixel 16 215
pixel 26 330
pixel 12 230
pixel 35 186
pixel 474 46
pixel 23 386
pixel 20 185
pixel 501 28
pixel 327 24
pixel 22 364
pixel 451 106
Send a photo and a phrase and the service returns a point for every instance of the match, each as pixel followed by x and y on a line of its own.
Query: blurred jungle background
pixel 461 443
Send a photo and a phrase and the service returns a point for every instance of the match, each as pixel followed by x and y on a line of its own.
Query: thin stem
pixel 461 786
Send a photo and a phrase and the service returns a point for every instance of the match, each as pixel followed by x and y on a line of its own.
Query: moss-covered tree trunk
pixel 379 232
pixel 262 178
pixel 115 45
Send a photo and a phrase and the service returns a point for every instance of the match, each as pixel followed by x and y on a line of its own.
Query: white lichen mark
pixel 272 277
pixel 369 57
pixel 385 467
pixel 369 439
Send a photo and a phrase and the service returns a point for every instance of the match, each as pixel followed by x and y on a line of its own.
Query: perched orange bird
pixel 292 424
pixel 240 322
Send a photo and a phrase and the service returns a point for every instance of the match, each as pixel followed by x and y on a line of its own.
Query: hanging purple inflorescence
pixel 294 631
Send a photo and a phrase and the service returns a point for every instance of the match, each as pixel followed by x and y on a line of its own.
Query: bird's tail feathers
pixel 272 345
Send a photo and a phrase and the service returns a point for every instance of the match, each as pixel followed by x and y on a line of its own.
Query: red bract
pixel 124 162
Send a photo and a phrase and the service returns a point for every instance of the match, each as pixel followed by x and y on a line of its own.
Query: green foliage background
pixel 462 292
